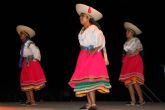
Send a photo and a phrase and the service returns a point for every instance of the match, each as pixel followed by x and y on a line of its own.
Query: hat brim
pixel 26 29
pixel 131 26
pixel 81 8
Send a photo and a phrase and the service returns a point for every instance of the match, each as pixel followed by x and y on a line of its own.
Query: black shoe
pixel 25 103
pixel 84 108
pixel 33 104
pixel 92 108
pixel 140 103
pixel 130 103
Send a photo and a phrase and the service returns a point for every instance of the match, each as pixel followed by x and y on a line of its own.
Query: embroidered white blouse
pixel 92 36
pixel 30 50
pixel 132 45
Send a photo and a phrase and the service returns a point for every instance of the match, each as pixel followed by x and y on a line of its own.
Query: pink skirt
pixel 132 70
pixel 90 74
pixel 32 76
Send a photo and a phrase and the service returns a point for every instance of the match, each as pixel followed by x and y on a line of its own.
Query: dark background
pixel 57 25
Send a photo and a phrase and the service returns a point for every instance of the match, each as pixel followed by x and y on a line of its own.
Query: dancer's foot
pixel 85 107
pixel 93 107
pixel 140 103
pixel 33 104
pixel 131 103
pixel 25 103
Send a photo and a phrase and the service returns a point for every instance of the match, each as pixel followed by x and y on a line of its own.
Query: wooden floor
pixel 77 105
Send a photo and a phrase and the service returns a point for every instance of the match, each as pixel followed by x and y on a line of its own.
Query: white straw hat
pixel 131 26
pixel 26 29
pixel 81 8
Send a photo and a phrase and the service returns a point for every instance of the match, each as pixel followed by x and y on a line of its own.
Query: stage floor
pixel 77 105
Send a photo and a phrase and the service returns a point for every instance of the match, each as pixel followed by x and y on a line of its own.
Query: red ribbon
pixel 89 10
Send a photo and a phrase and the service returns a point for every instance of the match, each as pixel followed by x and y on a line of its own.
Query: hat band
pixel 26 34
pixel 129 29
pixel 89 16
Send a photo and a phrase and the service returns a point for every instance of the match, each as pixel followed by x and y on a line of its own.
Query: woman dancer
pixel 90 74
pixel 32 75
pixel 132 69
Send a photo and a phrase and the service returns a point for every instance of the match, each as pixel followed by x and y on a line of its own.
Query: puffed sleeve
pixel 138 44
pixel 36 52
pixel 100 40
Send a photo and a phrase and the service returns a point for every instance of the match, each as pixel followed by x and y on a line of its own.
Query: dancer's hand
pixel 106 59
pixel 105 56
pixel 133 54
pixel 107 62
pixel 93 51
pixel 35 60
